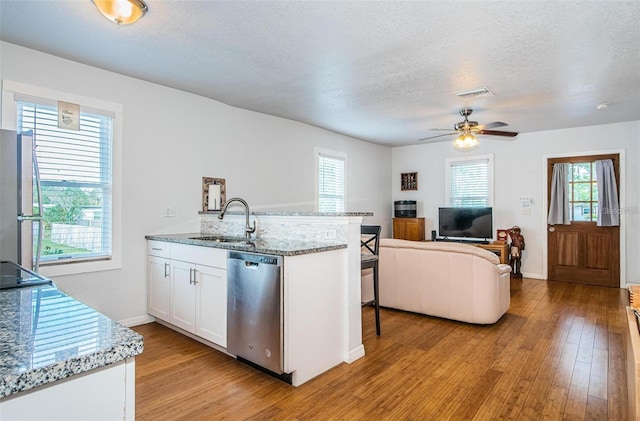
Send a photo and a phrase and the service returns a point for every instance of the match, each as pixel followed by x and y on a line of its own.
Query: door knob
pixel 552 229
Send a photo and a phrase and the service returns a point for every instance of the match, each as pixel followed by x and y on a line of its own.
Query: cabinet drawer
pixel 158 248
pixel 207 256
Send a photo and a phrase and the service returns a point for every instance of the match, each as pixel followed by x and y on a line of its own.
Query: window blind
pixel 331 183
pixel 76 176
pixel 469 183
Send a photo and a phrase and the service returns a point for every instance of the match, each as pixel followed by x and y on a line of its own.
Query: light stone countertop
pixel 285 213
pixel 47 336
pixel 276 247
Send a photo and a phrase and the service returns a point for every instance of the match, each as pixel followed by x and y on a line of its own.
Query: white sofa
pixel 450 280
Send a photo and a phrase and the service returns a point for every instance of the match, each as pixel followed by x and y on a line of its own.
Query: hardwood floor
pixel 557 354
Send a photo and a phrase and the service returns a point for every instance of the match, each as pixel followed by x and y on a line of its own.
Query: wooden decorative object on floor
pixel 516 249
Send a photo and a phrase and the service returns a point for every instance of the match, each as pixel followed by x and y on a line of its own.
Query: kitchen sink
pixel 218 239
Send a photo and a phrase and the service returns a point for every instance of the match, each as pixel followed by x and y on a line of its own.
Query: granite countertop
pixel 285 213
pixel 276 247
pixel 48 336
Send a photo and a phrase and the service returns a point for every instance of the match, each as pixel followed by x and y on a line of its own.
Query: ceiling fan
pixel 468 129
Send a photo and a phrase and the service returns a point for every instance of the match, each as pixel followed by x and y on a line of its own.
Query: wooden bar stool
pixel 369 250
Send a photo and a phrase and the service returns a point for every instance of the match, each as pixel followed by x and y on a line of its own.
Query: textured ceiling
pixel 384 71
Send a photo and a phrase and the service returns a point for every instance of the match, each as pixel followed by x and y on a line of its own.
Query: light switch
pixel 526 202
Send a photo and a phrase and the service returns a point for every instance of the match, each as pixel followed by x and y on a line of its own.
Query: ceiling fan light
pixel 466 142
pixel 122 12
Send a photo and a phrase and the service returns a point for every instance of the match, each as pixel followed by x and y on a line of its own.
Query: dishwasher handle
pixel 254 260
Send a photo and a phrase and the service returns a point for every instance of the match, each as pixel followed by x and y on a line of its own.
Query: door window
pixel 583 192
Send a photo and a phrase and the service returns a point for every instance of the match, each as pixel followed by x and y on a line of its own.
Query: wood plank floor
pixel 557 354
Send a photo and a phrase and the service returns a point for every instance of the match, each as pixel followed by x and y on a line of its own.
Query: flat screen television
pixel 466 223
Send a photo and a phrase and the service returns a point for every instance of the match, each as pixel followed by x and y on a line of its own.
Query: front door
pixel 583 252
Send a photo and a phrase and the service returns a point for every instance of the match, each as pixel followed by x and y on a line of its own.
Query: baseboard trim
pixel 136 321
pixel 354 354
pixel 194 337
pixel 533 275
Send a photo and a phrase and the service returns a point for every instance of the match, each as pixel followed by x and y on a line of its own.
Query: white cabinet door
pixel 187 287
pixel 159 285
pixel 183 296
pixel 211 304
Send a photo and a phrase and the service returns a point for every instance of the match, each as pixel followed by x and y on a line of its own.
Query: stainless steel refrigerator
pixel 21 224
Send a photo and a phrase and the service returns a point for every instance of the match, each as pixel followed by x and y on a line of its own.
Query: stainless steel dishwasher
pixel 254 309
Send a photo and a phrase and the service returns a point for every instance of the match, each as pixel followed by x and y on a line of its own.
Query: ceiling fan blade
pixel 492 125
pixel 497 133
pixel 440 135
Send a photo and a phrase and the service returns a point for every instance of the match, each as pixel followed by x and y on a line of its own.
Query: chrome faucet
pixel 248 229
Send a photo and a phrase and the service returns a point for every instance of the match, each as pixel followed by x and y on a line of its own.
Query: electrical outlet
pixel 330 234
pixel 169 212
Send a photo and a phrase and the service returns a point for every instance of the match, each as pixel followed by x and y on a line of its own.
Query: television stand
pixel 499 249
pixel 476 241
pixel 462 240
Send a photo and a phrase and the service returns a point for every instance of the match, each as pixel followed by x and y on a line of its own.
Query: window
pixel 470 181
pixel 331 181
pixel 583 191
pixel 96 179
pixel 76 178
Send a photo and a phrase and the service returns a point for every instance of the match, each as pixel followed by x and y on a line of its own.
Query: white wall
pixel 520 170
pixel 171 139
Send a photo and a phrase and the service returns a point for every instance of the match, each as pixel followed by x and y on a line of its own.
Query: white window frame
pixel 331 154
pixel 490 176
pixel 9 122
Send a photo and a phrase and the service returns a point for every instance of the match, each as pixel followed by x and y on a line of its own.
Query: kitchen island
pixel 187 288
pixel 188 291
pixel 61 359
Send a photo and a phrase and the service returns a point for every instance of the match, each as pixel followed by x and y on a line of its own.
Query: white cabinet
pixel 183 296
pixel 314 284
pixel 106 393
pixel 159 287
pixel 188 288
pixel 159 279
pixel 211 304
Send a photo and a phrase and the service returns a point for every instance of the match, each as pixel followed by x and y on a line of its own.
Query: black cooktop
pixel 15 276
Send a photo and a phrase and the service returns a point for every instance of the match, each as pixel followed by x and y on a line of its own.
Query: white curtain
pixel 608 206
pixel 559 206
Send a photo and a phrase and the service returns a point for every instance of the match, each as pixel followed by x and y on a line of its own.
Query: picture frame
pixel 409 181
pixel 502 236
pixel 208 181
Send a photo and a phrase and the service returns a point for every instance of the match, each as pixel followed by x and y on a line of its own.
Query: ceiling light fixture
pixel 121 12
pixel 466 142
pixel 602 106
